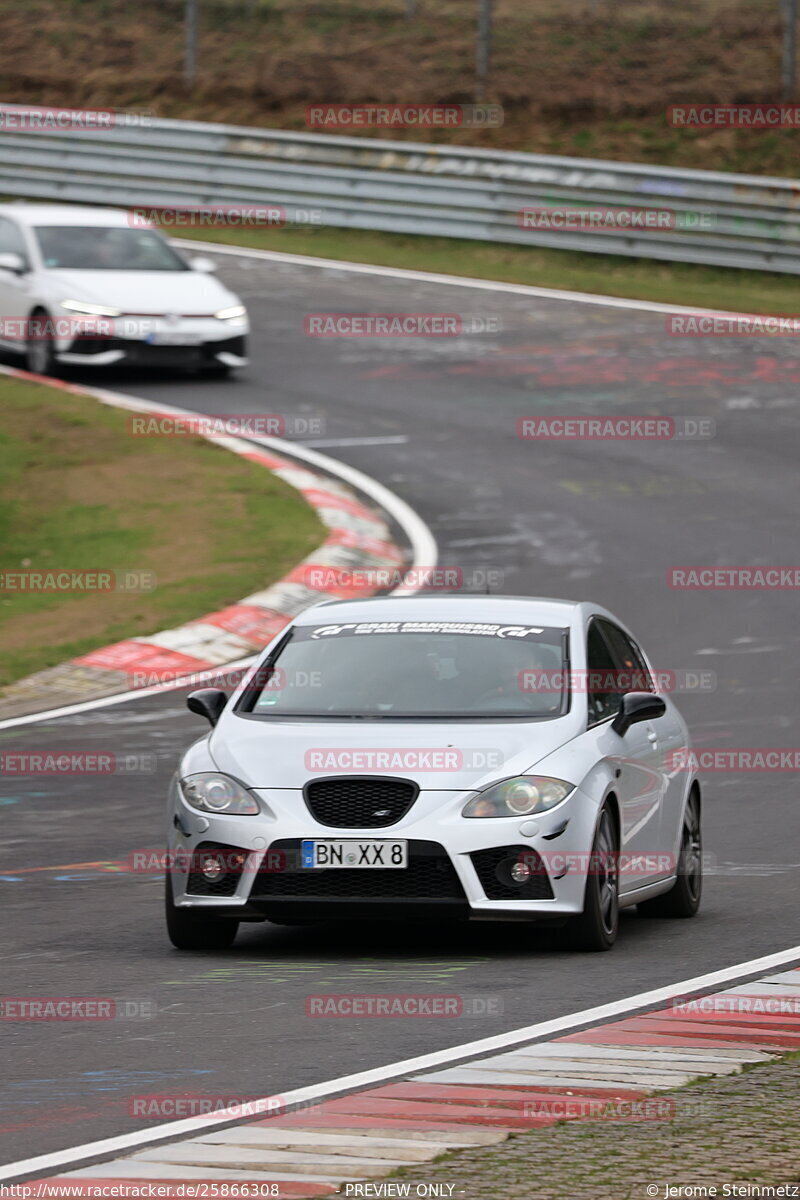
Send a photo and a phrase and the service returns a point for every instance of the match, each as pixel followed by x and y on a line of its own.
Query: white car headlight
pixel 215 793
pixel 237 313
pixel 519 797
pixel 90 310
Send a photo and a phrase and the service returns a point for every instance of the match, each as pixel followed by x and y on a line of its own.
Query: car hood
pixel 438 756
pixel 187 293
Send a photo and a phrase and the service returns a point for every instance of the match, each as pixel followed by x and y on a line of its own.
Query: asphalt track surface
pixel 576 519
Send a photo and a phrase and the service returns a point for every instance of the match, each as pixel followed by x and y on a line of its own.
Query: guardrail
pixel 405 187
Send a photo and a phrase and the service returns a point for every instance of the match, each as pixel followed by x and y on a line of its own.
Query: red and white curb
pixel 363 1136
pixel 359 538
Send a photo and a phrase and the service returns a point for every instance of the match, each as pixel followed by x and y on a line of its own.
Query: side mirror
pixel 14 263
pixel 635 707
pixel 208 703
pixel 206 265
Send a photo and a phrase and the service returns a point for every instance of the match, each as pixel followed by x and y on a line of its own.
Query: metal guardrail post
pixel 484 48
pixel 190 63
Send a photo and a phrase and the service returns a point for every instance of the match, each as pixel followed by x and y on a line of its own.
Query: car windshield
pixel 105 248
pixel 407 669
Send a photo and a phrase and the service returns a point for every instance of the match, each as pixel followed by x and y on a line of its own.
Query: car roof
pixel 66 214
pixel 453 606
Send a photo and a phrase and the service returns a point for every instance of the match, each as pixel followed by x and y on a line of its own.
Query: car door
pixel 640 784
pixel 672 741
pixel 14 289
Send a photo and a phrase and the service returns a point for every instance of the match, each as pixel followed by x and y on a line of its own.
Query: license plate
pixel 174 339
pixel 354 855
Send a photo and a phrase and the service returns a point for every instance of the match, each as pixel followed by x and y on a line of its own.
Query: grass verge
pixel 636 278
pixel 574 77
pixel 77 491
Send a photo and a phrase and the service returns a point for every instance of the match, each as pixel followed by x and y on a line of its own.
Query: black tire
pixel 683 898
pixel 190 929
pixel 39 351
pixel 597 926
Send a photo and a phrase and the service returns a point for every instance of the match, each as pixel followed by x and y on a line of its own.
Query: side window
pixel 634 675
pixel 604 697
pixel 648 683
pixel 11 239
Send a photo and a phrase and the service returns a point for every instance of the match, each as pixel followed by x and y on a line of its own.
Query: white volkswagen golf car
pixel 94 287
pixel 433 757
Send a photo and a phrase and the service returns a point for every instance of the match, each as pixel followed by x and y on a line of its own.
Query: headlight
pixel 90 310
pixel 215 793
pixel 520 797
pixel 237 312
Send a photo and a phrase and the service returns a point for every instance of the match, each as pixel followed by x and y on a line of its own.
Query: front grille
pixel 93 345
pixel 493 868
pixel 143 354
pixel 359 802
pixel 430 875
pixel 140 354
pixel 227 883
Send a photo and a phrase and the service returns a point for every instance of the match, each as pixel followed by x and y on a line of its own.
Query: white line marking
pixel 389 440
pixel 424 551
pixel 423 1062
pixel 486 285
pixel 69 710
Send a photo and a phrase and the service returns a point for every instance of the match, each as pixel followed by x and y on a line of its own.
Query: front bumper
pixel 458 868
pixel 158 342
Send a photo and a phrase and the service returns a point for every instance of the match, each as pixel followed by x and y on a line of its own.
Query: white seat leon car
pixel 433 757
pixel 94 287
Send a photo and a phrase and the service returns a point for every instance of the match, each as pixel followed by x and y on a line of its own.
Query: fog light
pixel 521 872
pixel 213 868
